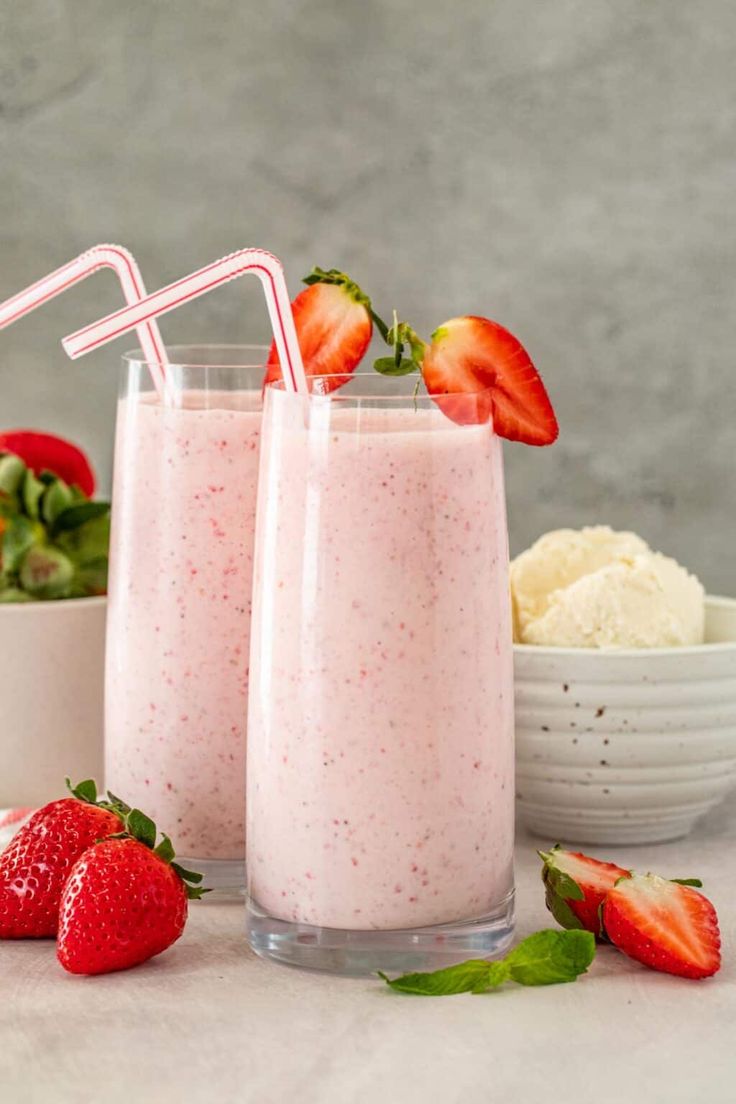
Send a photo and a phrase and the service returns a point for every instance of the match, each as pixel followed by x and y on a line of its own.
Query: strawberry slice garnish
pixel 665 925
pixel 576 886
pixel 46 452
pixel 476 369
pixel 334 326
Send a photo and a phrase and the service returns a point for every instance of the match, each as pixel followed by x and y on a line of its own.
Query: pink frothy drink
pixel 180 590
pixel 380 760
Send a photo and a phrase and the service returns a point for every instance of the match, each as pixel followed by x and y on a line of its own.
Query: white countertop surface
pixel 208 1021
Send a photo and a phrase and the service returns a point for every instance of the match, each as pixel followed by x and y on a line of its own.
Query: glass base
pixel 362 953
pixel 222 876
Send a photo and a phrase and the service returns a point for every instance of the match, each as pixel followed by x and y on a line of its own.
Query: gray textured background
pixel 565 166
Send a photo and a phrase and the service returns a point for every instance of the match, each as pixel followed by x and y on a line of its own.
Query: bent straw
pixel 131 282
pixel 265 266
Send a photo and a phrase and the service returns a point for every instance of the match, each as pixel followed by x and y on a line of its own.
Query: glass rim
pixel 137 356
pixel 336 393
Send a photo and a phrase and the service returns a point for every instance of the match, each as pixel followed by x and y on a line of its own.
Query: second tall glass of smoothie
pixel 380 757
pixel 178 629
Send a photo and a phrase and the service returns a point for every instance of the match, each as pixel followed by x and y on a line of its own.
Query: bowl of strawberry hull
pixel 53 577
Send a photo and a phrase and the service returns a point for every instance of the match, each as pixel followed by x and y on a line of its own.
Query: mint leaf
pixel 463 978
pixel 548 957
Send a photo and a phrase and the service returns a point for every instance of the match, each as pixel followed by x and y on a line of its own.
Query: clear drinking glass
pixel 181 564
pixel 380 788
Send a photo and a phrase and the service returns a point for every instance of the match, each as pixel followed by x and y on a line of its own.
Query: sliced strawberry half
pixel 576 886
pixel 334 328
pixel 476 369
pixel 665 925
pixel 46 452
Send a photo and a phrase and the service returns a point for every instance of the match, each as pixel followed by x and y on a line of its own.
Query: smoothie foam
pixel 380 759
pixel 179 615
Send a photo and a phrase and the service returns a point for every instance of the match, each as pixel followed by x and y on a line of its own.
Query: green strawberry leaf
pixel 13 594
pixel 141 827
pixel 31 494
pixel 12 470
pixel 56 499
pixel 84 791
pixel 688 881
pixel 387 366
pixel 165 849
pixel 562 884
pixel 76 514
pixel 91 578
pixel 90 542
pixel 19 537
pixel 548 957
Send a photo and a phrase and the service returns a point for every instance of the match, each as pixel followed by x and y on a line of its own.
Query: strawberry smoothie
pixel 179 614
pixel 380 759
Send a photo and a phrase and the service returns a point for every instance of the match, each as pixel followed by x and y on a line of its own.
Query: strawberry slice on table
pixel 124 902
pixel 37 861
pixel 471 356
pixel 334 325
pixel 47 452
pixel 665 925
pixel 576 886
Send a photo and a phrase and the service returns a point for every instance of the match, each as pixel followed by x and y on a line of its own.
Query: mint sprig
pixel 548 957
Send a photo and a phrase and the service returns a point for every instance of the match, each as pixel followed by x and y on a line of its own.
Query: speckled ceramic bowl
pixel 629 746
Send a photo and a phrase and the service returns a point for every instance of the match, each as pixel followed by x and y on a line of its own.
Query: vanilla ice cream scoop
pixel 596 588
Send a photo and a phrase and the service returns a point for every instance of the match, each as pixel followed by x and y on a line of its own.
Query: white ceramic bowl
pixel 52 657
pixel 629 746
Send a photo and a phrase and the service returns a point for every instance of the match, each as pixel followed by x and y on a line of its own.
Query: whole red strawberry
pixel 124 902
pixel 333 323
pixel 37 861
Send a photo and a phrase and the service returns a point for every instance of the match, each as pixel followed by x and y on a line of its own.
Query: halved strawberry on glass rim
pixel 333 323
pixel 476 370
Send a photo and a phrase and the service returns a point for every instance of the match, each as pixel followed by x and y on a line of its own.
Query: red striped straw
pixel 265 266
pixel 133 288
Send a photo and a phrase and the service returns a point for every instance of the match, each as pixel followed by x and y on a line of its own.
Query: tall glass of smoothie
pixel 380 782
pixel 184 495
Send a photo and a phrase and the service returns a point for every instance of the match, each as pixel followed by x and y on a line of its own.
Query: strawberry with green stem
pixel 36 863
pixel 334 323
pixel 125 900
